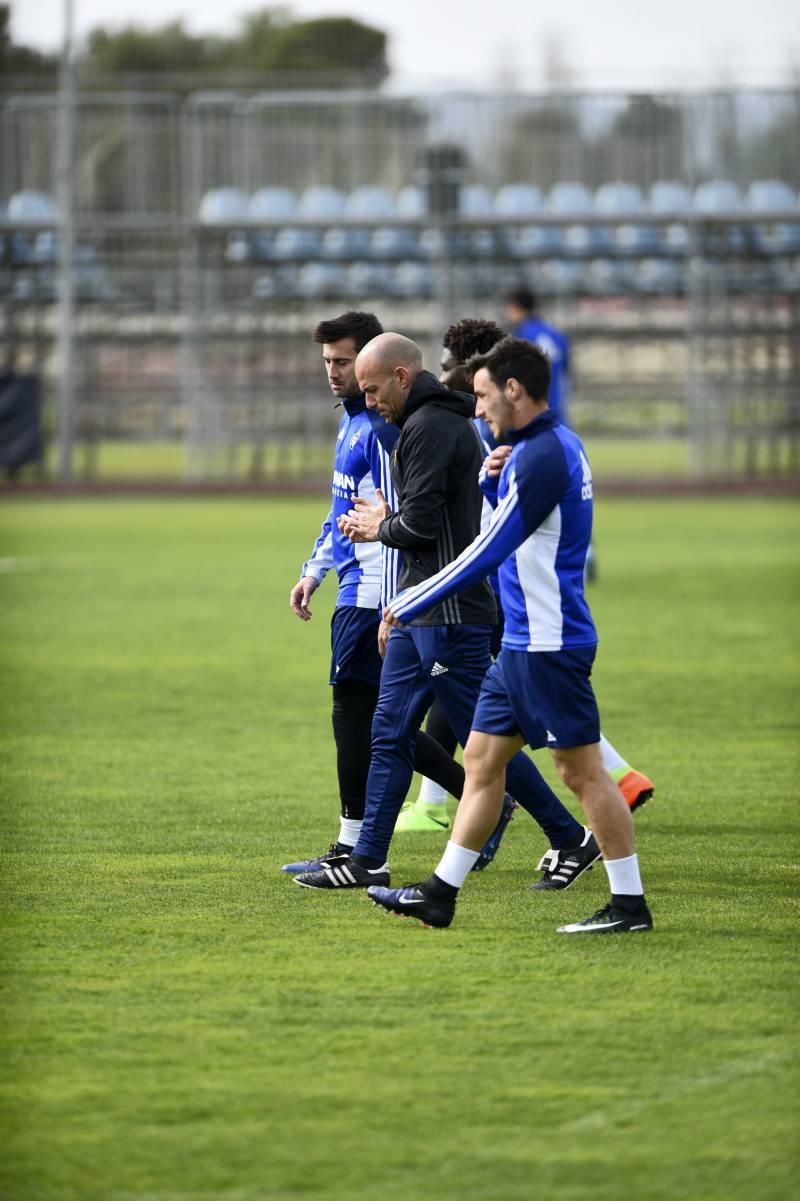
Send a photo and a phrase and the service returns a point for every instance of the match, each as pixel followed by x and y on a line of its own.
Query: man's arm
pixel 544 480
pixel 314 571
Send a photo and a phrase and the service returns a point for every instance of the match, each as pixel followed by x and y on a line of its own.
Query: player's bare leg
pixel 581 769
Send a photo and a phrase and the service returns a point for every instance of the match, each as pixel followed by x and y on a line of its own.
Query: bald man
pixel 444 653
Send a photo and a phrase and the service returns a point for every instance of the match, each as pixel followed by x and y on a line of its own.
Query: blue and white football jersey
pixel 367 571
pixel 538 537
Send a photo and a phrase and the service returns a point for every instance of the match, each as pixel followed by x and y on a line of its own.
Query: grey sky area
pixel 512 43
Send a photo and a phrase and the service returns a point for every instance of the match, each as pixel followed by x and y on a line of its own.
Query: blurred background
pixel 182 200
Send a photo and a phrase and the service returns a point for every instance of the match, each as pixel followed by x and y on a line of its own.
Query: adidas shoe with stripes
pixel 561 868
pixel 334 855
pixel 344 874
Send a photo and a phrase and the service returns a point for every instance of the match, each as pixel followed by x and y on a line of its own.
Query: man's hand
pixel 384 630
pixel 301 595
pixel 361 524
pixel 495 460
pixel 389 620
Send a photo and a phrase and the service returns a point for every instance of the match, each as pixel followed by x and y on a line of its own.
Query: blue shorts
pixel 354 645
pixel 546 696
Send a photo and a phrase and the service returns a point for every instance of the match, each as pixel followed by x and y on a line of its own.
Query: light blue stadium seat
pixel 31 206
pixel 720 196
pixel 342 242
pixel 321 280
pixel 575 200
pixel 518 200
pixel 625 200
pixel 533 241
pixel 389 242
pixel 717 196
pixel 670 196
pixel 475 201
pixel 413 279
pixel 322 204
pixel 275 284
pixel 561 277
pixel 272 204
pixel 659 277
pixel 369 279
pixel 294 243
pixel 772 195
pixel 370 204
pixel 607 277
pixel 570 199
pixel 269 205
pixel 411 203
pixel 223 206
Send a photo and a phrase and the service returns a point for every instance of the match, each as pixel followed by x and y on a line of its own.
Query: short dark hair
pixel 361 327
pixel 471 336
pixel 523 297
pixel 515 358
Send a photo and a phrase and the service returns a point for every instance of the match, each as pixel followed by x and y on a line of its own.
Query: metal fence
pixel 213 231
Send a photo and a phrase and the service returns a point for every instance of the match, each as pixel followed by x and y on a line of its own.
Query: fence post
pixel 66 250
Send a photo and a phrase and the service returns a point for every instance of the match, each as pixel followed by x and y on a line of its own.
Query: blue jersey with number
pixel 367 571
pixel 555 345
pixel 538 537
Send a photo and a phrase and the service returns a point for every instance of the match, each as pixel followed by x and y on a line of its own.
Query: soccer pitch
pixel 181 1023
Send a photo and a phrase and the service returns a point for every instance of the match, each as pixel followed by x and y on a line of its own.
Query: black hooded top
pixel 436 463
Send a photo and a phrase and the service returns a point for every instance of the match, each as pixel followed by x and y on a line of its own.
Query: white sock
pixel 623 876
pixel 349 830
pixel 612 760
pixel 431 793
pixel 456 864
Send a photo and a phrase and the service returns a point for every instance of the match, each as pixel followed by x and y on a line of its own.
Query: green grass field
pixel 181 1023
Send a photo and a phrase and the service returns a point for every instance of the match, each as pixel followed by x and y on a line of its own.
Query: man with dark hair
pixel 462 342
pixel 538 691
pixel 436 462
pixel 366 576
pixel 522 311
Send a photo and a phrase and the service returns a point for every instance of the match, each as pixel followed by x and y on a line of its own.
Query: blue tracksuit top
pixel 367 571
pixel 539 537
pixel 555 345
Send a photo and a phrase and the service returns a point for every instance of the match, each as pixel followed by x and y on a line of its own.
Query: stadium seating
pixel 770 195
pixel 224 206
pixel 370 204
pixel 330 253
pixel 322 204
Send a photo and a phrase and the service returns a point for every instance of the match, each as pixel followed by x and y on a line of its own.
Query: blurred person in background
pixel 522 313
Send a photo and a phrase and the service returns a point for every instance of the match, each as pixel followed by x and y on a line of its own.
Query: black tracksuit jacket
pixel 435 463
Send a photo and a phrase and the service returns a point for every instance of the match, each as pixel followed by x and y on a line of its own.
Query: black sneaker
pixel 335 853
pixel 492 844
pixel 413 901
pixel 613 919
pixel 344 874
pixel 562 868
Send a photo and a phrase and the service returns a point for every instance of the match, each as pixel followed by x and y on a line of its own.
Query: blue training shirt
pixel 555 345
pixel 367 571
pixel 539 537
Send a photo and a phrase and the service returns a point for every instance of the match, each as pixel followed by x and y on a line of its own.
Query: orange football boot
pixel 636 788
